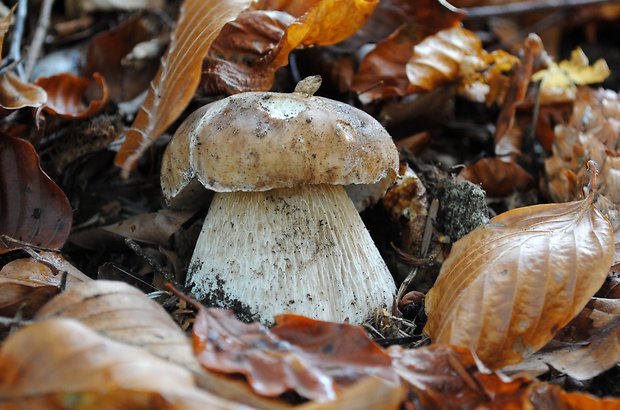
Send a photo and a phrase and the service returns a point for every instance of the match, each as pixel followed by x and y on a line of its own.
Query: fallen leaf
pixel 80 7
pixel 106 52
pixel 559 81
pixel 179 74
pixel 60 362
pixel 57 262
pixel 66 95
pixel 34 209
pixel 509 286
pixel 26 285
pixel 449 377
pixel 314 358
pixel 16 94
pixel 251 49
pixel 5 24
pixel 497 177
pixel 123 313
pixel 154 227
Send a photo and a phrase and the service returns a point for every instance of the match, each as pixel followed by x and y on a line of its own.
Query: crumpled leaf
pixel 179 74
pixel 497 177
pixel 34 210
pixel 249 50
pixel 123 313
pixel 448 377
pixel 559 81
pixel 508 287
pixel 382 71
pixel 27 284
pixel 66 95
pixel 60 362
pixel 16 94
pixel 314 358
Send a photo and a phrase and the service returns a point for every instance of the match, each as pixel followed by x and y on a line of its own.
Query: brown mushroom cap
pixel 261 141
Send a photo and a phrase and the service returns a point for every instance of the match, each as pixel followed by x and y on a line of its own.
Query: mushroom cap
pixel 261 140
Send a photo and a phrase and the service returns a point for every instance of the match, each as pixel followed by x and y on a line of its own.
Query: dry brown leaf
pixel 154 227
pixel 26 285
pixel 5 24
pixel 66 94
pixel 60 362
pixel 498 178
pixel 249 50
pixel 447 377
pixel 509 286
pixel 179 74
pixel 34 209
pixel 314 358
pixel 123 313
pixel 16 94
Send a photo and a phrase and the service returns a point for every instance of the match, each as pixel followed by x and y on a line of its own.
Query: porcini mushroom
pixel 281 234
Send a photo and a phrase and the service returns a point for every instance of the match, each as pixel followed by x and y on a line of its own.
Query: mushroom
pixel 281 235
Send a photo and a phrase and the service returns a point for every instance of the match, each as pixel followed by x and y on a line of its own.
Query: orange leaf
pixel 16 94
pixel 66 95
pixel 509 286
pixel 60 363
pixel 247 53
pixel 176 81
pixel 34 209
pixel 317 359
pixel 498 178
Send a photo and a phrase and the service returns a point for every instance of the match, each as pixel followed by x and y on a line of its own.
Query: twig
pixel 528 7
pixel 18 32
pixel 133 245
pixel 39 37
pixel 10 321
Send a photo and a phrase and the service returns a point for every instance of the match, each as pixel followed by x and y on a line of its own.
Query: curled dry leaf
pixel 247 53
pixel 450 377
pixel 497 177
pixel 26 285
pixel 179 74
pixel 34 210
pixel 382 71
pixel 16 94
pixel 67 92
pixel 314 358
pixel 59 361
pixel 123 313
pixel 509 286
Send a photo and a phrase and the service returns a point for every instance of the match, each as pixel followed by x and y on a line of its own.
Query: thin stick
pixel 39 37
pixel 18 32
pixel 528 7
pixel 157 267
pixel 9 321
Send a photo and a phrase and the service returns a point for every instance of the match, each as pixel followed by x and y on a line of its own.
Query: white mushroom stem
pixel 291 250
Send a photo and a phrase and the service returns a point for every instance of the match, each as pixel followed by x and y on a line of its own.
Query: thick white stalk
pixel 293 250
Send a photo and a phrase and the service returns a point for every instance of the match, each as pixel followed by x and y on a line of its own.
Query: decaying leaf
pixel 250 49
pixel 34 210
pixel 16 94
pixel 66 94
pixel 559 82
pixel 314 358
pixel 509 286
pixel 447 377
pixel 60 363
pixel 498 178
pixel 26 285
pixel 123 313
pixel 179 74
pixel 155 227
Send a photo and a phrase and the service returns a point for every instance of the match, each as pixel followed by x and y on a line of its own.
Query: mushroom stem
pixel 303 250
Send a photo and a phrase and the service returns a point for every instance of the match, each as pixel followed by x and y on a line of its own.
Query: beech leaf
pixel 314 358
pixel 178 77
pixel 67 92
pixel 497 177
pixel 60 363
pixel 123 313
pixel 508 287
pixel 16 94
pixel 33 209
